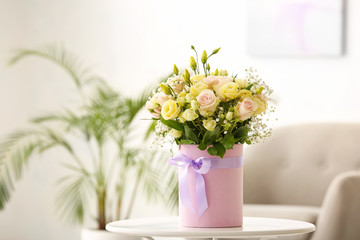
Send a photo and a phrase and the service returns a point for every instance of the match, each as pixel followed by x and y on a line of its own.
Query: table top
pixel 169 227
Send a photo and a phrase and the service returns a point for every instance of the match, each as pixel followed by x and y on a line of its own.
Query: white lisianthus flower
pixel 175 133
pixel 190 115
pixel 181 118
pixel 205 113
pixel 195 105
pixel 209 124
pixel 229 116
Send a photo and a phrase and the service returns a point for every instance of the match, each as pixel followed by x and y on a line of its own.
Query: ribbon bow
pixel 201 166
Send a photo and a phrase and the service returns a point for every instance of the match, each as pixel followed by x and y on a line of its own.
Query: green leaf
pixel 217 150
pixel 228 141
pixel 241 132
pixel 202 146
pixel 186 141
pixel 190 135
pixel 211 136
pixel 249 86
pixel 212 151
pixel 173 124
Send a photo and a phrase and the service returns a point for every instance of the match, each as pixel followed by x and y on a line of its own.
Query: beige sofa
pixel 308 172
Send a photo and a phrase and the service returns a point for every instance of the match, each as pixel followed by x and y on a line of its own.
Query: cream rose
pixel 222 81
pixel 244 93
pixel 189 115
pixel 209 124
pixel 197 88
pixel 207 100
pixel 245 109
pixel 261 106
pixel 170 110
pixel 229 91
pixel 242 83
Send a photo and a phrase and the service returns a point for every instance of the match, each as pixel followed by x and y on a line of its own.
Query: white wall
pixel 132 43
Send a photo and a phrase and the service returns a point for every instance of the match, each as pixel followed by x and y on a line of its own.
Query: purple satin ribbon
pixel 200 166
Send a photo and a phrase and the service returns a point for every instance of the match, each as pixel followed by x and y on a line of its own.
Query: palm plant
pixel 104 123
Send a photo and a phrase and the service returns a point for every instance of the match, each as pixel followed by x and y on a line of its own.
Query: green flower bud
pixel 204 57
pixel 192 47
pixel 216 73
pixel 187 74
pixel 216 50
pixel 259 90
pixel 227 126
pixel 176 70
pixel 193 63
pixel 223 73
pixel 186 79
pixel 208 67
pixel 166 89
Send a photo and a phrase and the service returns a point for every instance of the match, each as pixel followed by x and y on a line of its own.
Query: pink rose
pixel 160 98
pixel 245 109
pixel 211 81
pixel 207 100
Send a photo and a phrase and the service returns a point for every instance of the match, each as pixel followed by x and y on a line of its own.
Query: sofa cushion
pixel 301 213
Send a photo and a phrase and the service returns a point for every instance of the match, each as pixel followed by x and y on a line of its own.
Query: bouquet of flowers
pixel 211 109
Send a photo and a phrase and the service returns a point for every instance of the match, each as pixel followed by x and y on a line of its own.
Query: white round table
pixel 253 228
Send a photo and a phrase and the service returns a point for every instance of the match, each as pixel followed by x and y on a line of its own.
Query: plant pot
pixel 96 234
pixel 223 187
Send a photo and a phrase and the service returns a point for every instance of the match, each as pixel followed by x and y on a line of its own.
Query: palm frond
pixel 72 199
pixel 57 54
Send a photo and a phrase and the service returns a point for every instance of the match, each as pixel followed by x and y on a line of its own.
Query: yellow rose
pixel 261 106
pixel 189 115
pixel 209 124
pixel 197 88
pixel 175 133
pixel 170 110
pixel 229 91
pixel 245 94
pixel 197 78
pixel 242 83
